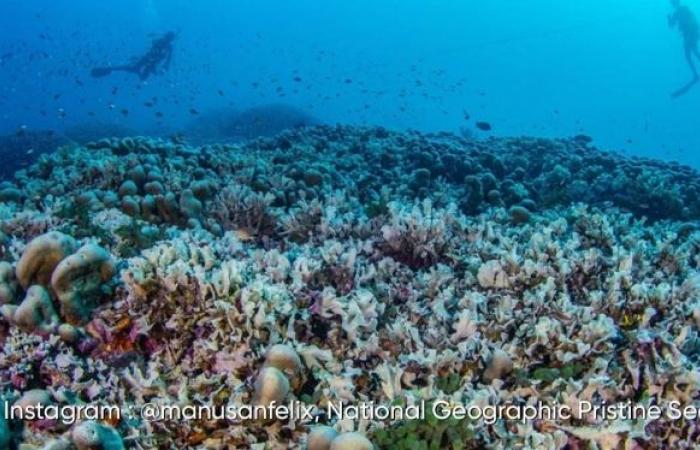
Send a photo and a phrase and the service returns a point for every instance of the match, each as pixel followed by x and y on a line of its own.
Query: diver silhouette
pixel 684 19
pixel 156 60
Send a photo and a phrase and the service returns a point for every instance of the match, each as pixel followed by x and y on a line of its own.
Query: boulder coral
pixel 33 398
pixel 285 359
pixel 8 283
pixel 79 279
pixel 91 435
pixel 351 441
pixel 271 385
pixel 36 313
pixel 320 438
pixel 41 256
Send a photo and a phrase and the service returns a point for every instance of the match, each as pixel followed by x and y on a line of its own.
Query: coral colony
pixel 349 288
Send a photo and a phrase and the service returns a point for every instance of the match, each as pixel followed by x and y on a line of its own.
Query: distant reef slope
pixel 19 150
pixel 227 124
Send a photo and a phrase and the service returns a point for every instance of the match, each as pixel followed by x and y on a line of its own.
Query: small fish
pixel 466 115
pixel 194 112
pixel 297 79
pixel 124 112
pixel 483 126
pixel 159 114
pixel 148 104
pixel 221 93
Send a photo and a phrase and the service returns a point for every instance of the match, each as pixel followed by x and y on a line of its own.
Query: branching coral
pixel 239 208
pixel 422 235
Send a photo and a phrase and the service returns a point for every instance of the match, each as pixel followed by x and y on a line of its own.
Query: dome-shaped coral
pixel 94 436
pixel 320 438
pixel 271 385
pixel 78 279
pixel 36 312
pixel 8 283
pixel 285 358
pixel 351 441
pixel 41 256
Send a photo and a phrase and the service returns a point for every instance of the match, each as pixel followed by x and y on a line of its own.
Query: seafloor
pixel 395 267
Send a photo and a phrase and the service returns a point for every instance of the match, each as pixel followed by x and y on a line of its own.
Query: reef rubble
pixel 343 264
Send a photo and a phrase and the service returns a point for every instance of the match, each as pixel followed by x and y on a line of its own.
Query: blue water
pixel 536 67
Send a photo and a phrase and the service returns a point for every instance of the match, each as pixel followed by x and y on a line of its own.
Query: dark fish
pixel 466 115
pixel 115 90
pixel 159 114
pixel 221 93
pixel 483 126
pixel 297 79
pixel 125 112
pixel 348 81
pixel 194 112
pixel 148 104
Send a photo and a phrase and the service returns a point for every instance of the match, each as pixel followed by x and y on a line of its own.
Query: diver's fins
pixel 684 90
pixel 99 72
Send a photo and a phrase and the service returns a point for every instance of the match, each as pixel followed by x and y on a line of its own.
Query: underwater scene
pixel 349 225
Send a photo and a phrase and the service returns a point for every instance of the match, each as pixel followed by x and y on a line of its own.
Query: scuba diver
pixel 687 24
pixel 156 60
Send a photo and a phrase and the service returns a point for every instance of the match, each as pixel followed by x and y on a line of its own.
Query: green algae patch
pixel 429 433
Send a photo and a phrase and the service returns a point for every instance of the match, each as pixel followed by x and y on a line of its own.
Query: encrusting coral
pixel 344 264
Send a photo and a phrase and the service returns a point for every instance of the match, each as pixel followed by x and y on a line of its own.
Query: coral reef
pixel 334 265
